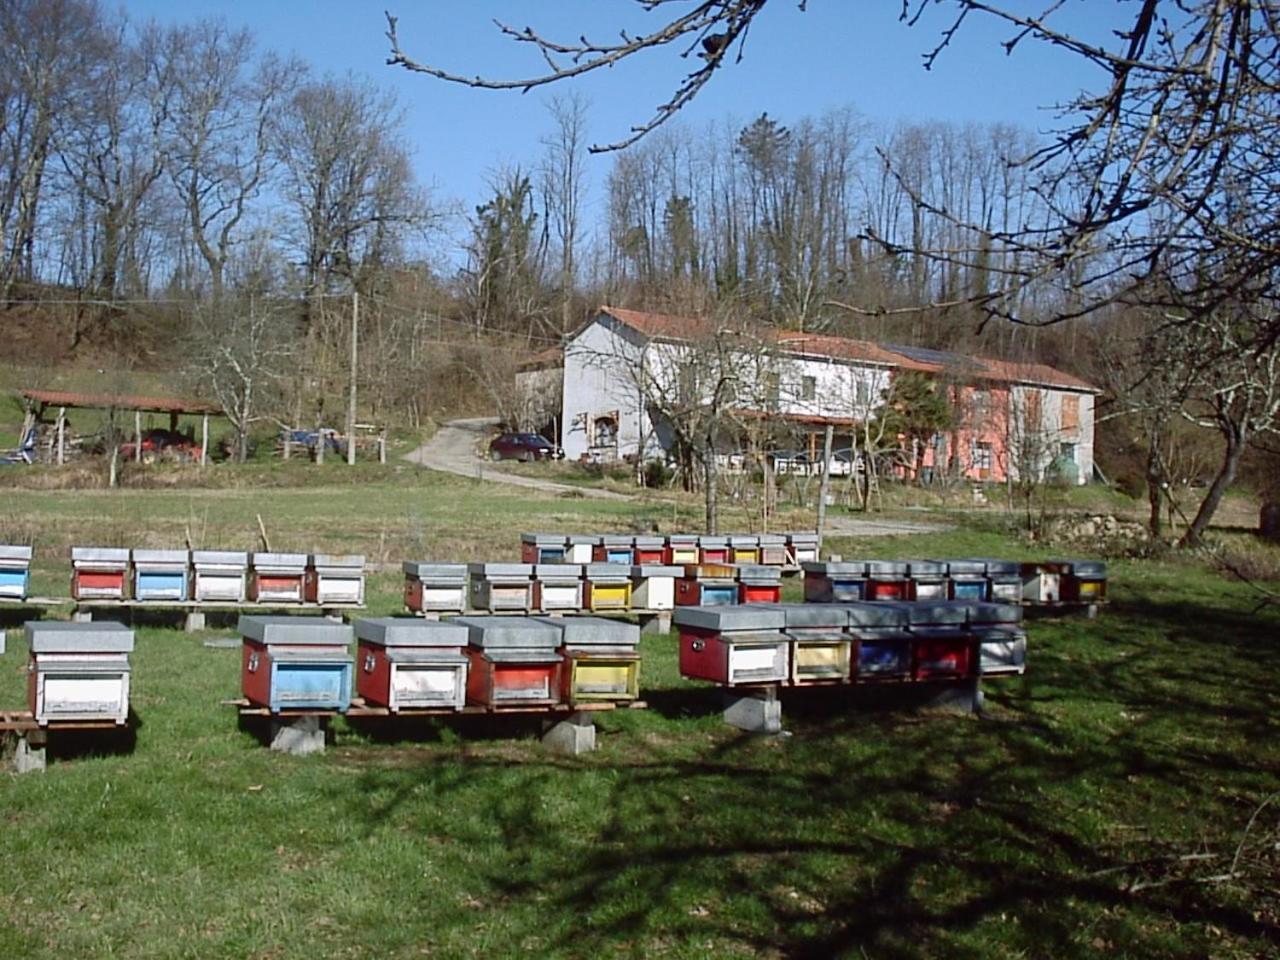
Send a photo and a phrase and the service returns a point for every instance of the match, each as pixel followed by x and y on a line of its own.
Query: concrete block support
pixel 656 624
pixel 30 754
pixel 754 711
pixel 962 697
pixel 298 736
pixel 195 621
pixel 573 735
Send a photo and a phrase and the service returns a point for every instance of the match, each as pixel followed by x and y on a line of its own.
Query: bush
pixel 657 474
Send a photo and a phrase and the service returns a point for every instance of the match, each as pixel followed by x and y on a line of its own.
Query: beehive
pixel 501 586
pixel 887 580
pixel 649 550
pixel 681 549
pixel 513 661
pixel 802 548
pixel 653 586
pixel 601 659
pixel 277 577
pixel 967 579
pixel 335 579
pixel 543 548
pixel 15 572
pixel 712 549
pixel 744 548
pixel 822 651
pixel 1085 582
pixel 835 582
pixel 773 549
pixel 219 575
pixel 928 580
pixel 99 573
pixel 405 663
pixel 557 586
pixel 435 587
pixel 614 548
pixel 733 645
pixel 296 663
pixel 759 584
pixel 607 586
pixel 581 548
pixel 884 646
pixel 707 585
pixel 78 671
pixel 161 574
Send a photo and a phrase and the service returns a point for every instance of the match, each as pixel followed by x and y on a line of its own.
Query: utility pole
pixel 351 397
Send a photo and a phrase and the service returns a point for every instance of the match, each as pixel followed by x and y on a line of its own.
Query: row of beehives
pixel 223 576
pixel 1004 581
pixel 767 549
pixel 404 663
pixel 811 644
pixel 593 587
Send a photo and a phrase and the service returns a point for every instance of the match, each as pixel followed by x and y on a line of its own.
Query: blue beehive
pixel 296 663
pixel 160 574
pixel 15 572
pixel 884 645
pixel 835 582
pixel 968 579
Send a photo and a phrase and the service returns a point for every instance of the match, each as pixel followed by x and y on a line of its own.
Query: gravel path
pixel 458 445
pixel 455 449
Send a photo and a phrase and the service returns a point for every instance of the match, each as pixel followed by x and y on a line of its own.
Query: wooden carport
pixel 38 402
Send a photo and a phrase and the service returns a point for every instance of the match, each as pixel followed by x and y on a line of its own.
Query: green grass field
pixel 1101 808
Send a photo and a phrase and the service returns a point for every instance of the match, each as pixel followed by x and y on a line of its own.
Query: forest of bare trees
pixel 156 182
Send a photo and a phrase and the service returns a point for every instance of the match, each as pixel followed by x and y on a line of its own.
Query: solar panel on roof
pixel 942 358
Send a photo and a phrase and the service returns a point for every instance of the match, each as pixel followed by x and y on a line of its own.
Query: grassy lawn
pixel 1087 815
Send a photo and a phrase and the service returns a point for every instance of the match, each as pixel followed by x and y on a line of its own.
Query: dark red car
pixel 524 446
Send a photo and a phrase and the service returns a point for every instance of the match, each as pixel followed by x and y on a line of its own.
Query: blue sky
pixel 838 53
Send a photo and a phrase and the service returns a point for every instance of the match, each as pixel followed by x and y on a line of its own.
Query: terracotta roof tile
pixel 842 348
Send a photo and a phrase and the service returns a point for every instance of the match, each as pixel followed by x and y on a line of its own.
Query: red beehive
pixel 713 550
pixel 99 573
pixel 733 645
pixel 886 580
pixel 513 661
pixel 650 550
pixel 759 584
pixel 406 663
pixel 941 653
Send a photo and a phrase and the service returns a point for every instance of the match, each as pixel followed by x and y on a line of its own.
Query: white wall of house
pixel 600 367
pixel 1056 436
pixel 816 386
pixel 606 362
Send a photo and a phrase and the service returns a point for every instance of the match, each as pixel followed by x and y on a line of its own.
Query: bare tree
pixel 111 148
pixel 242 350
pixel 563 182
pixel 217 131
pixel 50 47
pixel 347 179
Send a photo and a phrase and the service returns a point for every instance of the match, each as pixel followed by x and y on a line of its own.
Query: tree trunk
pixel 1235 436
pixel 710 493
pixel 1155 488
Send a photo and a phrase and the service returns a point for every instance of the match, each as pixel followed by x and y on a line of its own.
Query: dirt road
pixel 458 448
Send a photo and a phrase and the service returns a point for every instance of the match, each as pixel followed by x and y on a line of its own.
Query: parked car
pixel 524 446
pixel 163 445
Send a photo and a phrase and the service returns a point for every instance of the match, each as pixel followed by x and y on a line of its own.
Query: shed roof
pixel 67 398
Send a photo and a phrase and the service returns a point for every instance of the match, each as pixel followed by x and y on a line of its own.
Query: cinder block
pixel 574 735
pixel 752 713
pixel 29 756
pixel 298 736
